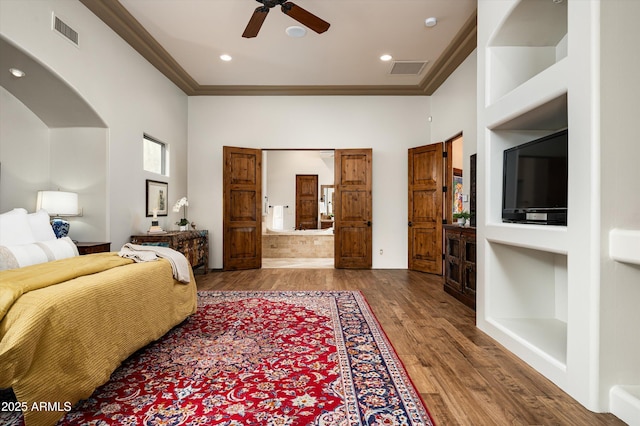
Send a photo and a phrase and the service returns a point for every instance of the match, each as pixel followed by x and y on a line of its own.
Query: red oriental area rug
pixel 263 358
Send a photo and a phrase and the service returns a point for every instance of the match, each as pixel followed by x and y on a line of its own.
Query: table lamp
pixel 57 204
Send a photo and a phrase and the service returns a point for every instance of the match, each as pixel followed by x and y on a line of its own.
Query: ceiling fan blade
pixel 306 18
pixel 255 23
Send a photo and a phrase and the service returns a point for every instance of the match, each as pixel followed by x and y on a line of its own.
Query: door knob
pixel 410 224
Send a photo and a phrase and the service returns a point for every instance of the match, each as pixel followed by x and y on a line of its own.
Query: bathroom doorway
pixel 455 197
pixel 285 176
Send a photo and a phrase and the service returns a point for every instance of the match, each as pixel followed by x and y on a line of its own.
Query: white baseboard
pixel 624 403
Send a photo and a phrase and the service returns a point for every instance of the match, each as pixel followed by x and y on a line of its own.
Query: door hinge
pixel 444 221
pixel 443 256
pixel 445 154
pixel 444 189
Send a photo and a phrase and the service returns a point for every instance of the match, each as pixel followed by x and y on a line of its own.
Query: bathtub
pixel 296 232
pixel 307 243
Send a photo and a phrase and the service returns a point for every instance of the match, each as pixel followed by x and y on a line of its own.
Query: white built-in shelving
pixel 541 292
pixel 526 274
pixel 526 98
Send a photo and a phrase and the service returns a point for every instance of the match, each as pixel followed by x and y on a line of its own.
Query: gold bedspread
pixel 59 342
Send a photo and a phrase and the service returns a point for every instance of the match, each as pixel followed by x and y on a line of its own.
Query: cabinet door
pixel 186 247
pixel 468 245
pixel 453 272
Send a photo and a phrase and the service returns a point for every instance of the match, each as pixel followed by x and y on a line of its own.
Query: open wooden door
pixel 353 208
pixel 425 208
pixel 242 220
pixel 307 202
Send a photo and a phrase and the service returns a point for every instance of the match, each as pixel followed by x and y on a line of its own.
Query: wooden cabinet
pixel 460 263
pixel 193 244
pixel 88 248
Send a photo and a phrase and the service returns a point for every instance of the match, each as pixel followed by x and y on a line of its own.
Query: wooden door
pixel 306 201
pixel 425 208
pixel 353 208
pixel 242 220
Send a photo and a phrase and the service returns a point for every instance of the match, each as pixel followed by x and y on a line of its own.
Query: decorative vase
pixel 184 227
pixel 60 227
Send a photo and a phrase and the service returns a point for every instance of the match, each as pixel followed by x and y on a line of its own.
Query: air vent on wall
pixel 407 67
pixel 65 30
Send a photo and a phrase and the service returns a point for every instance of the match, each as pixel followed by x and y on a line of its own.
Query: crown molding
pixel 118 18
pixel 458 50
pixel 309 91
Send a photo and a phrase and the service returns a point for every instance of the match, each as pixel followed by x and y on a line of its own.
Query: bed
pixel 67 323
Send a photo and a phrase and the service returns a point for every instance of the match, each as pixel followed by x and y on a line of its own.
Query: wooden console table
pixel 193 244
pixel 460 263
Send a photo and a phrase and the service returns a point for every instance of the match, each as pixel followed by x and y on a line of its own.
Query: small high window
pixel 156 156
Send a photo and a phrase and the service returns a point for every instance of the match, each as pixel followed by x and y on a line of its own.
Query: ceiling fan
pixel 306 18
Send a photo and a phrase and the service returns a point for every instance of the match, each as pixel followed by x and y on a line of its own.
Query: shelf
pixel 539 103
pixel 519 29
pixel 522 48
pixel 548 293
pixel 547 337
pixel 546 238
pixel 624 246
pixel 529 292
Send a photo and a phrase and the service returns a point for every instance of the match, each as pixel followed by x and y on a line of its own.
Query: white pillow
pixel 21 255
pixel 41 226
pixel 15 228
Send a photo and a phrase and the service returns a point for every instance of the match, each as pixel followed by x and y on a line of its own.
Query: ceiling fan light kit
pixel 296 31
pixel 301 15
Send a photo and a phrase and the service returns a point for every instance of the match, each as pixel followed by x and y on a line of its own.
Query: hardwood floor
pixel 464 376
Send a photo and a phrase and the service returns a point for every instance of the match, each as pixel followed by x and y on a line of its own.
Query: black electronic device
pixel 535 181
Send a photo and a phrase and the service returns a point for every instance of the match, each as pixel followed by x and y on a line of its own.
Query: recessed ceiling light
pixel 430 22
pixel 386 57
pixel 226 57
pixel 296 31
pixel 17 73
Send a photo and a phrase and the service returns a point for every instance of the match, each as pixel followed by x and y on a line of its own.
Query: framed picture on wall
pixel 457 191
pixel 157 196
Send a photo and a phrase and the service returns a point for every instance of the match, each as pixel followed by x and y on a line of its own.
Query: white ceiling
pixel 187 37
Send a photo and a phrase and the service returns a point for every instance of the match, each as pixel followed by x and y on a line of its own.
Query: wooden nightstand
pixel 88 248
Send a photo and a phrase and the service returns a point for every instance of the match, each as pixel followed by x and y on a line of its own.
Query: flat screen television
pixel 535 181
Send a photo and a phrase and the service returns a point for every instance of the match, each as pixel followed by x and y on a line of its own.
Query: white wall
pixel 35 157
pixel 454 110
pixel 24 154
pixel 78 164
pixel 620 207
pixel 388 125
pixel 282 168
pixel 129 94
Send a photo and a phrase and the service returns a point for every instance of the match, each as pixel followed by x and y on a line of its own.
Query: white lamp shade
pixel 58 203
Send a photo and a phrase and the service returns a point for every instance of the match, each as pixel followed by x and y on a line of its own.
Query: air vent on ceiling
pixel 65 30
pixel 407 67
